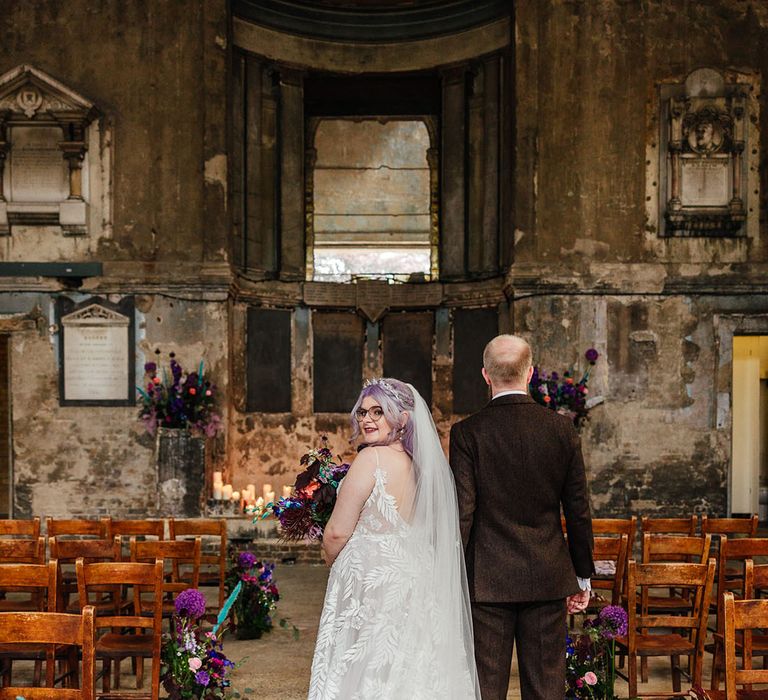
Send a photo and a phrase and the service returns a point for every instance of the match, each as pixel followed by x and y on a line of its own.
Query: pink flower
pixel 579 683
pixel 195 664
pixel 590 678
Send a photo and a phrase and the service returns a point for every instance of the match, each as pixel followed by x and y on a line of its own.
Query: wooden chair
pixel 127 635
pixel 100 529
pixel 740 618
pixel 40 581
pixel 178 553
pixel 27 529
pixel 139 528
pixel 18 551
pixel 213 566
pixel 729 526
pixel 613 549
pixel 686 631
pixel 755 578
pixel 669 526
pixel 52 629
pixel 69 551
pixel 675 548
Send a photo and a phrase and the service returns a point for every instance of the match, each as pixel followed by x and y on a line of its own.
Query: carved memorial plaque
pixel 269 360
pixel 97 355
pixel 38 171
pixel 705 182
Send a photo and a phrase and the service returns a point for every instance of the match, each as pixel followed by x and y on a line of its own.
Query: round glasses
pixel 375 413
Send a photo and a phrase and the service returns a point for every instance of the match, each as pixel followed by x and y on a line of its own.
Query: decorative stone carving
pixel 703 141
pixel 43 124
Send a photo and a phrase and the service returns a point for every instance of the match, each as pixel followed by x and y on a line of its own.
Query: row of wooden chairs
pixel 213 565
pixel 126 625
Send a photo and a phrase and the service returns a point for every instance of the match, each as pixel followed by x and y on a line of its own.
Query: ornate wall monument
pixel 703 156
pixel 43 146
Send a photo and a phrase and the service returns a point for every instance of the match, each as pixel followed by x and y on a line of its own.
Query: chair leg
pixel 632 674
pixel 139 672
pixel 5 669
pixel 675 662
pixel 116 674
pixel 105 685
pixel 644 669
pixel 714 683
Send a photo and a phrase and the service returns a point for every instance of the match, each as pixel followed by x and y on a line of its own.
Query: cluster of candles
pixel 246 497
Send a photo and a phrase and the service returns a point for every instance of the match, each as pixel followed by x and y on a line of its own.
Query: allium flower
pixel 202 678
pixel 592 355
pixel 613 619
pixel 190 603
pixel 246 560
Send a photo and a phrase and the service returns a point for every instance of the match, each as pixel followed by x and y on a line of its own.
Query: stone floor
pixel 277 667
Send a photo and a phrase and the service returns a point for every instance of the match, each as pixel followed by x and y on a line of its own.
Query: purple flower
pixel 150 367
pixel 190 603
pixel 591 356
pixel 613 620
pixel 246 560
pixel 202 678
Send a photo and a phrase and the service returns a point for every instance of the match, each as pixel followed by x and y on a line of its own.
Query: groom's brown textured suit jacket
pixel 515 462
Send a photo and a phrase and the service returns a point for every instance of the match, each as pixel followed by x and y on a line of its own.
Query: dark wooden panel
pixel 408 349
pixel 472 329
pixel 237 196
pixel 5 430
pixel 337 362
pixel 269 360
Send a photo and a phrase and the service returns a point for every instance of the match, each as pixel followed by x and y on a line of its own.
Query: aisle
pixel 277 667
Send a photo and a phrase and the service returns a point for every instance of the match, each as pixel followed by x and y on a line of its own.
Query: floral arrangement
pixel 179 400
pixel 564 394
pixel 193 665
pixel 253 608
pixel 305 514
pixel 590 671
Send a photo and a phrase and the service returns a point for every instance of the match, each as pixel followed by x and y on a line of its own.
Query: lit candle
pixel 287 491
pixel 235 495
pixel 270 497
pixel 217 491
pixel 226 492
pixel 217 478
pixel 250 492
pixel 259 502
pixel 265 490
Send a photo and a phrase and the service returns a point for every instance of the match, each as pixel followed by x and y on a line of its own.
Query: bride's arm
pixel 356 487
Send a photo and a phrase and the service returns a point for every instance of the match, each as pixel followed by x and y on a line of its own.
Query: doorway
pixel 6 465
pixel 749 462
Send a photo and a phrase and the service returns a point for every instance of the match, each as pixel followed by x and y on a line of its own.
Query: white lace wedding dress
pixel 384 634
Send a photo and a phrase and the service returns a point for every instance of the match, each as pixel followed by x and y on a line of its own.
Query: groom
pixel 516 464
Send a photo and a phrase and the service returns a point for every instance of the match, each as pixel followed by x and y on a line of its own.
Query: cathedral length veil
pixel 439 623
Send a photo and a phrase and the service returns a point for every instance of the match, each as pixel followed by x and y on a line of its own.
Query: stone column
pixel 5 229
pixel 73 211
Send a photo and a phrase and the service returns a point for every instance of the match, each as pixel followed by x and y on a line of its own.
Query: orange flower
pixel 192 390
pixel 156 380
pixel 569 380
pixel 547 399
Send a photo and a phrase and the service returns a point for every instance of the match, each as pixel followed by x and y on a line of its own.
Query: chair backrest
pixel 41 580
pixel 671 548
pixel 18 551
pixel 670 526
pixel 176 552
pixel 730 526
pixel 216 528
pixel 138 528
pixel 755 578
pixel 743 615
pixel 67 551
pixel 696 578
pixel 52 628
pixel 611 549
pixel 29 529
pixel 99 529
pixel 735 550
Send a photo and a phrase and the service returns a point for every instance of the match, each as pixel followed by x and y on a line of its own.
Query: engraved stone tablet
pixel 705 182
pixel 96 360
pixel 38 171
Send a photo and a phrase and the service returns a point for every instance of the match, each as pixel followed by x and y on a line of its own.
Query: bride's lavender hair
pixel 394 397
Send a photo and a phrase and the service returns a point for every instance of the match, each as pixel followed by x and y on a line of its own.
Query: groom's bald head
pixel 506 361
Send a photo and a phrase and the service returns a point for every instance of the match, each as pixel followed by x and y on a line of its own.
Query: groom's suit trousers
pixel 497 626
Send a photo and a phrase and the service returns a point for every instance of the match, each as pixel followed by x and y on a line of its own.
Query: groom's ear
pixel 485 376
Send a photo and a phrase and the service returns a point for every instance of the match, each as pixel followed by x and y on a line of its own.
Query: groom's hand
pixel 578 602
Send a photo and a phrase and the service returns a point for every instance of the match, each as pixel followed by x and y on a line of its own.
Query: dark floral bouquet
pixel 305 514
pixel 564 393
pixel 253 608
pixel 179 400
pixel 193 665
pixel 590 670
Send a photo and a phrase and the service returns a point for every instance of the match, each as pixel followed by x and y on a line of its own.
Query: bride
pixel 396 620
